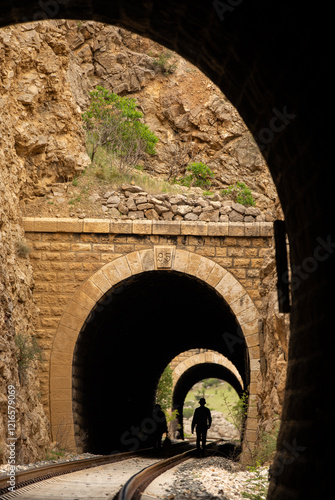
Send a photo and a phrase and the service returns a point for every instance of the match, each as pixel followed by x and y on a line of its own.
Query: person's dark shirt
pixel 202 418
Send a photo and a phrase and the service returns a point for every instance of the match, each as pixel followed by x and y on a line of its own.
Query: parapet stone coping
pixel 148 227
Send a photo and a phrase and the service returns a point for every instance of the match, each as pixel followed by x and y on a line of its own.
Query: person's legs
pixel 203 438
pixel 198 438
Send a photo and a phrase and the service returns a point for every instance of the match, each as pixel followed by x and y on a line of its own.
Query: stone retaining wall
pixel 133 202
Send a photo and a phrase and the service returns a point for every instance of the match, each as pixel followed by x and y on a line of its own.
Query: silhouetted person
pixel 202 420
pixel 161 426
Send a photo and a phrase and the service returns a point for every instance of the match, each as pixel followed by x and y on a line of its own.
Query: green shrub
pixel 188 412
pixel 239 411
pixel 164 389
pixel 163 65
pixel 240 193
pixel 199 177
pixel 27 351
pixel 267 444
pixel 256 486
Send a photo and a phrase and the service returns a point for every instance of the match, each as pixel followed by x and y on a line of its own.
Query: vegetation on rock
pixel 199 177
pixel 164 389
pixel 240 193
pixel 114 122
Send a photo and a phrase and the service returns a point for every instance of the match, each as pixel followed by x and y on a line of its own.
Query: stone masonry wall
pixel 67 252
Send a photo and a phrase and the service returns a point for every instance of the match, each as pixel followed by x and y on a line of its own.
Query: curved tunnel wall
pixel 116 352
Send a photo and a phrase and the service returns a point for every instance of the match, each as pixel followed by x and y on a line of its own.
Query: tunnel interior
pixel 193 375
pixel 133 333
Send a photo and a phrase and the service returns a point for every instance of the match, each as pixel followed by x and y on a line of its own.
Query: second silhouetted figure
pixel 202 420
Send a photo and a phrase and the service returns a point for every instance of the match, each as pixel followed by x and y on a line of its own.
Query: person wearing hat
pixel 202 421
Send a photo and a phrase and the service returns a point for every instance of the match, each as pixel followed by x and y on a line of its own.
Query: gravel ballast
pixel 209 478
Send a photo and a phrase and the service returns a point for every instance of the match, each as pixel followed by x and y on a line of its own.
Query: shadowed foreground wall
pixel 276 72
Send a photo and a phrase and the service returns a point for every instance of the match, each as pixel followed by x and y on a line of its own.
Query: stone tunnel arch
pixel 80 312
pixel 186 373
pixel 187 360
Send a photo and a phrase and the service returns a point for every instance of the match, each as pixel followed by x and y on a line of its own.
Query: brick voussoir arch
pixel 79 308
pixel 212 357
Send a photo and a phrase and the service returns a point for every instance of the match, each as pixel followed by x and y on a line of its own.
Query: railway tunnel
pixel 135 330
pixel 266 58
pixel 195 374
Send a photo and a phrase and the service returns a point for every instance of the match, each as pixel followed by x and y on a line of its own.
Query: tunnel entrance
pixel 135 330
pixel 191 377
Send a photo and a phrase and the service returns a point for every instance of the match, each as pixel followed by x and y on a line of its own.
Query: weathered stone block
pixel 148 260
pixel 123 227
pixel 69 225
pixel 217 229
pixel 46 225
pixel 166 227
pixel 195 228
pixel 180 260
pixel 100 280
pixel 29 224
pixel 216 275
pixel 96 226
pixel 81 247
pixel 236 229
pixel 134 262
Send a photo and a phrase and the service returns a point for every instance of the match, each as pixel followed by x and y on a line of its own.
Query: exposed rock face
pixel 44 130
pixel 17 315
pixel 50 67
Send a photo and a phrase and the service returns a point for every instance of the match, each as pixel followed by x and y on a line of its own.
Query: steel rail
pixel 138 482
pixel 32 475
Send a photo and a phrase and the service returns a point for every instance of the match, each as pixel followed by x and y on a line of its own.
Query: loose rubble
pixel 132 202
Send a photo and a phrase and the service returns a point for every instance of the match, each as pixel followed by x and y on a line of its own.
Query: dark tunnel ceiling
pixel 164 313
pixel 135 331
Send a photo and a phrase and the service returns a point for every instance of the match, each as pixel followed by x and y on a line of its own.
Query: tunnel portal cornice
pixel 101 226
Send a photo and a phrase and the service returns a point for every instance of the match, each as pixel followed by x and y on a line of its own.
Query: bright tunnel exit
pixel 224 403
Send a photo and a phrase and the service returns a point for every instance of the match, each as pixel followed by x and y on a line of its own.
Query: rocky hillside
pixel 46 72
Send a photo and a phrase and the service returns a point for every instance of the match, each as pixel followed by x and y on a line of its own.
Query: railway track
pixel 136 485
pixel 36 474
pixel 26 480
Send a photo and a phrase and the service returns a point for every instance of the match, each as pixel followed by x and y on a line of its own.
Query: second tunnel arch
pixel 79 313
pixel 194 368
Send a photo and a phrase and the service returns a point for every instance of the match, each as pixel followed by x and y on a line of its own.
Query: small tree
pixel 115 123
pixel 164 389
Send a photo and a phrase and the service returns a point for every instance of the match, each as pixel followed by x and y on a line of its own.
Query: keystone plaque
pixel 164 257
